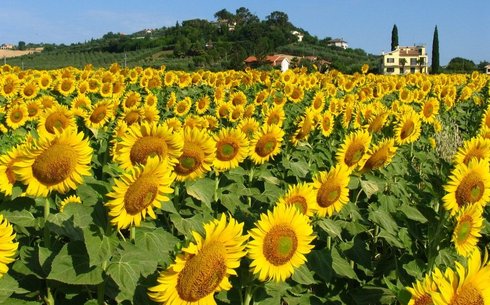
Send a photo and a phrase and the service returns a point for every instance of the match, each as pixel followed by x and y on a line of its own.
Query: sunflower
pixel 197 156
pixel 54 163
pixel 430 109
pixel 465 285
pixel 408 128
pixel 66 86
pixel 17 116
pixel 8 247
pixel 203 267
pixel 7 175
pixel 297 94
pixel 173 123
pixel 29 90
pixel 99 114
pixel 280 241
pixel 485 120
pixel 132 115
pixel 353 149
pixel 147 139
pixel 44 81
pixel 183 107
pixel 469 184
pixel 469 222
pixel 305 125
pixel 302 196
pixel 331 190
pixel 56 119
pixel 150 114
pixel 236 113
pixel 70 199
pixel 9 86
pixel 275 116
pixel 202 104
pixel 379 155
pixel 47 101
pixel 377 122
pixel 223 110
pixel 136 193
pixel 421 291
pixel 474 148
pixel 80 105
pixel 318 102
pixel 327 122
pixel 266 143
pixel 231 148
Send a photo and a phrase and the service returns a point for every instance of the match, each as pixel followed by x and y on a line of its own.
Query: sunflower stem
pixel 47 237
pixel 48 298
pixel 248 295
pixel 329 242
pixel 216 186
pixel 250 179
pixel 132 234
pixel 100 293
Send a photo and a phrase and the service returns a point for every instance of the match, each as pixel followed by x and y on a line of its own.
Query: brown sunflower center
pixel 16 116
pixel 299 202
pixel 9 172
pixel 181 108
pixel 140 194
pixel 428 110
pixel 328 194
pixel 8 88
pixel 354 153
pixel 56 121
pixel 470 189
pixel 190 160
pixel 478 153
pixel 145 147
pixel 463 229
pixel 98 114
pixel 28 91
pixel 66 86
pixel 280 244
pixel 132 117
pixel 32 110
pixel 202 273
pixel 55 164
pixel 226 151
pixel 468 295
pixel 407 129
pixel 424 300
pixel 377 159
pixel 266 145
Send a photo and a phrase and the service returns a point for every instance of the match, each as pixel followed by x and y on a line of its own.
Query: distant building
pixel 7 46
pixel 405 60
pixel 275 60
pixel 299 35
pixel 338 42
pixel 487 69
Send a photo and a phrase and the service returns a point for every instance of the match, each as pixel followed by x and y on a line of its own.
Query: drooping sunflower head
pixel 408 128
pixel 148 139
pixel 54 163
pixel 354 148
pixel 469 222
pixel 231 148
pixel 331 190
pixel 139 191
pixel 475 148
pixel 197 155
pixel 280 241
pixel 203 267
pixel 302 196
pixel 304 127
pixel 266 143
pixel 55 120
pixel 469 184
pixel 68 200
pixel 379 155
pixel 8 247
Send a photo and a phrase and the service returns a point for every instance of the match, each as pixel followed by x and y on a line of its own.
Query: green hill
pixel 199 44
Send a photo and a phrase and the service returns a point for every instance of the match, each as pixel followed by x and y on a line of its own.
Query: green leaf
pixel 342 266
pixel 320 262
pixel 14 301
pixel 390 238
pixel 7 286
pixel 202 190
pixel 22 218
pixel 372 295
pixel 384 220
pixel 157 243
pixel 412 213
pixel 369 187
pixel 187 225
pixel 127 266
pixel 99 247
pixel 303 275
pixel 71 266
pixel 330 227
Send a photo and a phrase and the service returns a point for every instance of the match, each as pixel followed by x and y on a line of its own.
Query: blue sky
pixel 464 26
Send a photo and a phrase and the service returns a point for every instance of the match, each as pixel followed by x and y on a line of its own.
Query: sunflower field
pixel 150 186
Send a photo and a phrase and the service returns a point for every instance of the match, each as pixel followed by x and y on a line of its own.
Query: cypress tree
pixel 435 52
pixel 394 38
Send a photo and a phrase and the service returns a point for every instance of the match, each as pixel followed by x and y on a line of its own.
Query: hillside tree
pixel 435 52
pixel 394 38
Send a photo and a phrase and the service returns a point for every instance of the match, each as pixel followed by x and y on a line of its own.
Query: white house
pixel 299 35
pixel 338 42
pixel 487 69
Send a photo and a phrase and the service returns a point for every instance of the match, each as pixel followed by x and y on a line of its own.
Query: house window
pixel 390 70
pixel 413 61
pixel 390 60
pixel 412 70
pixel 402 70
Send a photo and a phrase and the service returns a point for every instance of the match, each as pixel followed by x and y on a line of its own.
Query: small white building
pixel 299 35
pixel 338 42
pixel 487 69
